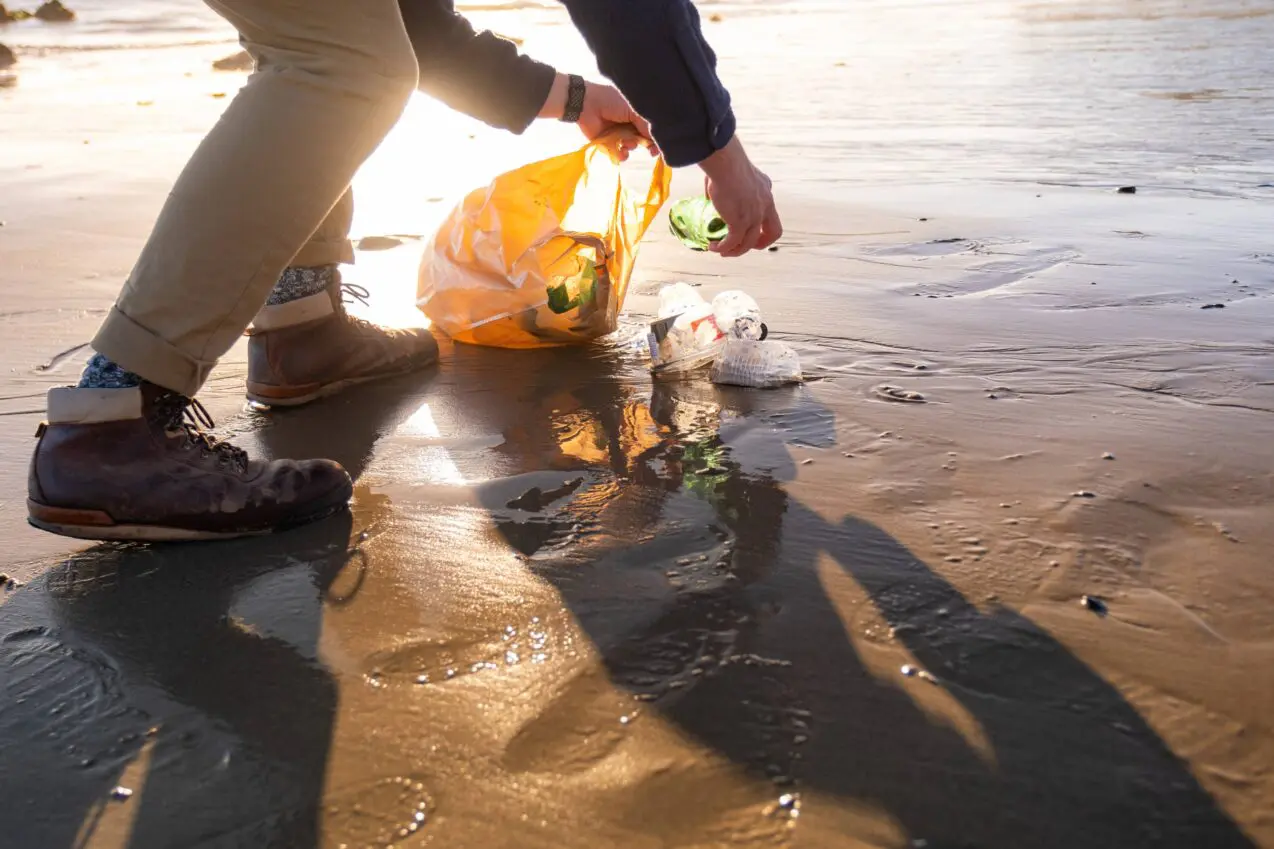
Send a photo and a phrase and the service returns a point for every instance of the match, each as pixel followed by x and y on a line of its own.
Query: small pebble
pixel 1083 493
pixel 1212 307
pixel 1054 563
pixel 773 249
pixel 121 793
pixel 1127 190
pixel 1108 456
pixel 924 219
pixel 807 461
pixel 1094 604
pixel 928 676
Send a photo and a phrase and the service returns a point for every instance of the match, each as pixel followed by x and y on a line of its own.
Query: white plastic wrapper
pixel 756 364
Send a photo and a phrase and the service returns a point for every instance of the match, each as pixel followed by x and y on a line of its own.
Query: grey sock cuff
pixel 102 373
pixel 301 282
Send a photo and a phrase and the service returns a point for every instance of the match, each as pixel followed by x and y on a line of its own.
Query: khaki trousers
pixel 268 186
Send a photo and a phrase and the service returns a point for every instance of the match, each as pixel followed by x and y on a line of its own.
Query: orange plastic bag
pixel 542 256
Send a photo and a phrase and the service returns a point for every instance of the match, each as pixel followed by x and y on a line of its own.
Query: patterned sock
pixel 101 373
pixel 297 282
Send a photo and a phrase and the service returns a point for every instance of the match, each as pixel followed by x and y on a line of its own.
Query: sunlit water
pixel 1159 93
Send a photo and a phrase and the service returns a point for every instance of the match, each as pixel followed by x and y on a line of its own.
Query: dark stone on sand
pixel 54 12
pixel 378 243
pixel 1127 190
pixel 924 219
pixel 894 393
pixel 950 241
pixel 535 499
pixel 1094 604
pixel 774 249
pixel 240 61
pixel 1212 307
pixel 7 59
pixel 1083 493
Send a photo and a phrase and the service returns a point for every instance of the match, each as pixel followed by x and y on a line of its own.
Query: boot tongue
pixel 169 409
pixel 178 414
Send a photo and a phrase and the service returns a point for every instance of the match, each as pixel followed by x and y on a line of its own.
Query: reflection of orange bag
pixel 542 256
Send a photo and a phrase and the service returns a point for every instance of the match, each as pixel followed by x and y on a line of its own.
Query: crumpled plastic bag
pixel 542 256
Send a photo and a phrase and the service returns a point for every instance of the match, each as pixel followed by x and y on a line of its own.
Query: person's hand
pixel 744 200
pixel 604 109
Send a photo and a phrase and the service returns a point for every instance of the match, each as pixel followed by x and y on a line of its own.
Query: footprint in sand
pixel 381 813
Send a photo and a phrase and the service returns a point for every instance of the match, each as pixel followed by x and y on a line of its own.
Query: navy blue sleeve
pixel 655 53
pixel 478 73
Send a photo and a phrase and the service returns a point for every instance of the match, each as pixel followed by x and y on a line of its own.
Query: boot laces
pixel 186 415
pixel 351 292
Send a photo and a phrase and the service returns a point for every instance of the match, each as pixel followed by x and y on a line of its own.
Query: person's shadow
pixel 200 664
pixel 188 674
pixel 749 653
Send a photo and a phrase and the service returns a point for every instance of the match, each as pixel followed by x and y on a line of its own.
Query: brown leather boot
pixel 127 464
pixel 309 348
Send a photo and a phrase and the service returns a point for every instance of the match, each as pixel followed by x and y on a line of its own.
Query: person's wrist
pixel 555 104
pixel 730 159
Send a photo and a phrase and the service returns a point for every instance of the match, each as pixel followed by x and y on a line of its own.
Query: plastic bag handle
pixel 660 178
pixel 619 133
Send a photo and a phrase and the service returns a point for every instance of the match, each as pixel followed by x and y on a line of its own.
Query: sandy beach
pixel 574 608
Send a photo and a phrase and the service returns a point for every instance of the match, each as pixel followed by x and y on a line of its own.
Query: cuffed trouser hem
pixel 140 351
pixel 330 252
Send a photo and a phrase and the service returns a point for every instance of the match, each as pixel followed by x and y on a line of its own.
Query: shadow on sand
pixel 148 666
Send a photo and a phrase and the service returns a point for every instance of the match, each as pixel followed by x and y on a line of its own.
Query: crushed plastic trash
pixel 727 335
pixel 686 337
pixel 755 364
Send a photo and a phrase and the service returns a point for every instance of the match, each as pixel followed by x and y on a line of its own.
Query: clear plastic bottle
pixel 676 298
pixel 738 316
pixel 696 223
pixel 756 364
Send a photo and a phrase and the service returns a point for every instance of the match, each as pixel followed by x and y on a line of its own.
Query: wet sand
pixel 570 608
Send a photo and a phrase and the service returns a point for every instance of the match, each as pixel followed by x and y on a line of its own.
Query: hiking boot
pixel 134 464
pixel 311 347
